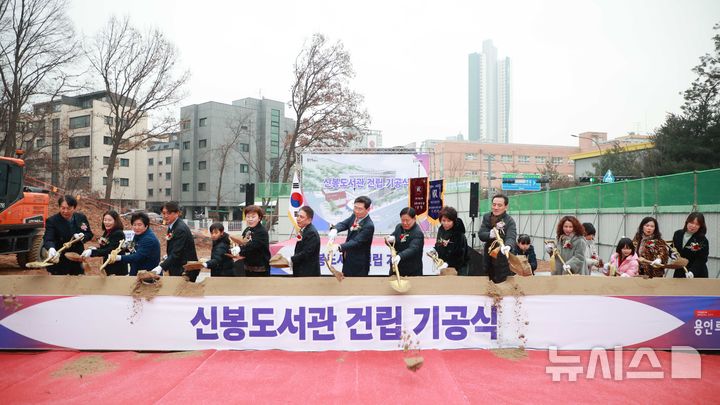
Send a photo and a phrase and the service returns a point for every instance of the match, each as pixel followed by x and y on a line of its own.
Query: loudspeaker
pixel 249 194
pixel 474 199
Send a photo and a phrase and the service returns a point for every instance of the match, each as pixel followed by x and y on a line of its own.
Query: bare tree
pixel 322 101
pixel 138 73
pixel 230 149
pixel 37 43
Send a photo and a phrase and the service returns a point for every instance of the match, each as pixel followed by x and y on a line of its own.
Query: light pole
pixel 600 151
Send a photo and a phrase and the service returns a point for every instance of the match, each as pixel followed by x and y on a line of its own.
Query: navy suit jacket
pixel 356 249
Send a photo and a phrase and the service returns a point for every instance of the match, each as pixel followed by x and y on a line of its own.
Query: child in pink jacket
pixel 624 260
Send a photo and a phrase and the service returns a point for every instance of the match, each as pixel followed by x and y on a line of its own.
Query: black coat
pixel 357 246
pixel 409 246
pixel 696 251
pixel 180 249
pixel 306 260
pixel 108 243
pixel 452 246
pixel 498 269
pixel 59 231
pixel 257 251
pixel 220 264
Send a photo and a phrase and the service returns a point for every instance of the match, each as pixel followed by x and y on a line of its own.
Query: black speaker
pixel 249 194
pixel 474 199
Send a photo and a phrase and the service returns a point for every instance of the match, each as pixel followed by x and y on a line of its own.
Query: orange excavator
pixel 23 211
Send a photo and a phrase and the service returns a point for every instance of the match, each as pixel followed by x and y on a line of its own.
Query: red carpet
pixel 449 377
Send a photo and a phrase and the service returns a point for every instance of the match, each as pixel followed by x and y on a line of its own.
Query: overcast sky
pixel 578 65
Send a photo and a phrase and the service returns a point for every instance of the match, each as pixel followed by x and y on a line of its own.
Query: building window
pixel 151 161
pixel 82 182
pixel 107 140
pixel 202 143
pixel 104 181
pixel 523 159
pixel 202 122
pixel 244 147
pixel 124 182
pixel 241 187
pixel 506 158
pixel 186 166
pixel 186 187
pixel 540 159
pixel 201 186
pixel 80 162
pixel 471 173
pixel 108 120
pixel 489 157
pixel 78 142
pixel 168 160
pixel 167 175
pixel 243 168
pixel 106 160
pixel 557 160
pixel 39 143
pixel 167 192
pixel 471 156
pixel 80 122
pixel 202 165
pixel 186 145
pixel 124 162
pixel 150 176
pixel 150 192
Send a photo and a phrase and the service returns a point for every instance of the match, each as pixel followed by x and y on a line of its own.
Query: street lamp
pixel 590 139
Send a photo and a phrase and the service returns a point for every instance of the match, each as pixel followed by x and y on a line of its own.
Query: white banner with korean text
pixel 319 323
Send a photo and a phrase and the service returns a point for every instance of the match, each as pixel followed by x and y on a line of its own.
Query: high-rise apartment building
pixel 489 96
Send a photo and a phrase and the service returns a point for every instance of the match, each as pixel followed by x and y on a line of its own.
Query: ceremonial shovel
pixel 328 262
pixel 112 257
pixel 401 286
pixel 53 260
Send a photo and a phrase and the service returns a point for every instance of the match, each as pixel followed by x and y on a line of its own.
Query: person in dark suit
pixel 356 249
pixel 220 264
pixel 61 228
pixel 144 251
pixel 495 223
pixel 111 237
pixel 692 244
pixel 254 254
pixel 180 244
pixel 306 260
pixel 409 241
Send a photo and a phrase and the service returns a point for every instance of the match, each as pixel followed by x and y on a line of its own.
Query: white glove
pixel 625 275
pixel 289 262
pixel 566 267
pixel 549 248
pixel 332 234
pixel 656 262
pixel 86 253
pixel 500 225
pixel 493 233
pixel 205 265
pixel 443 266
pixel 52 253
pixel 118 258
pixel 79 235
pixel 157 270
pixel 396 260
pixel 505 250
pixel 606 266
pixel 235 250
pixel 689 274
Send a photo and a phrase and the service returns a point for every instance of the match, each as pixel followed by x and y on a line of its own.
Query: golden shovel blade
pixel 38 265
pixel 399 285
